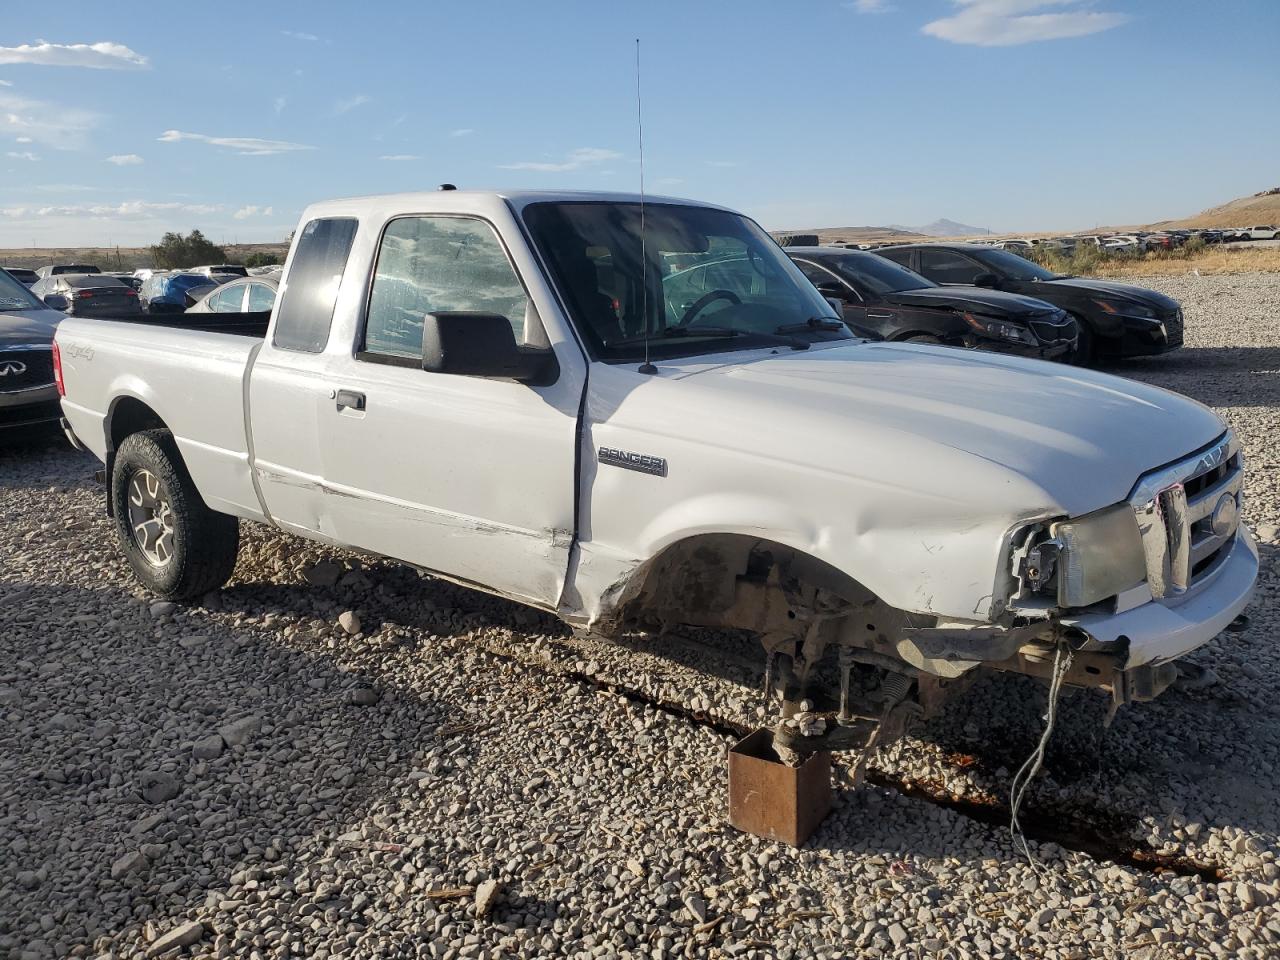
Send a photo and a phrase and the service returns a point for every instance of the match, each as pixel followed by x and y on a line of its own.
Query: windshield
pixel 1013 266
pixel 14 295
pixel 877 274
pixel 708 276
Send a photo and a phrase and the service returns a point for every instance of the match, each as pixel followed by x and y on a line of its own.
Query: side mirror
pixel 832 290
pixel 986 280
pixel 56 300
pixel 470 344
pixel 837 305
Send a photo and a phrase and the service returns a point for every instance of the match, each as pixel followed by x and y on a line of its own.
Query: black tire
pixel 201 544
pixel 1086 351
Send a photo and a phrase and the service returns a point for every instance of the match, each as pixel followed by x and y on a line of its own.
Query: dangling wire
pixel 1027 772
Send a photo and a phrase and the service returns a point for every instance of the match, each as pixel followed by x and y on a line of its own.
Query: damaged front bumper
pixel 1129 654
pixel 1157 632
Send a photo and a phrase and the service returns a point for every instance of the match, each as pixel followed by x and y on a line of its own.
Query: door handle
pixel 879 316
pixel 349 400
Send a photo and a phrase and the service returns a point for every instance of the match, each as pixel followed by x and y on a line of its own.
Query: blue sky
pixel 1017 114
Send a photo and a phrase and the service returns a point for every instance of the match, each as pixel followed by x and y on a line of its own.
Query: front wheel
pixel 177 546
pixel 1084 352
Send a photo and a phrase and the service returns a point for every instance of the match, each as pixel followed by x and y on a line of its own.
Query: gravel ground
pixel 335 757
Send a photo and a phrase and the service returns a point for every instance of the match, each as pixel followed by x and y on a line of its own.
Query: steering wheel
pixel 705 301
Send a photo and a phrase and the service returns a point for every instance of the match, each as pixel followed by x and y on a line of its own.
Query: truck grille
pixel 1173 326
pixel 25 367
pixel 1188 514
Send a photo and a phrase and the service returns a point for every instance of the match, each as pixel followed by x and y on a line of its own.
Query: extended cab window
pixel 311 289
pixel 438 265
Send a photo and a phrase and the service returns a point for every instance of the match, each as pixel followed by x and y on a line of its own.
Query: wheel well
pixel 731 580
pixel 130 415
pixel 127 415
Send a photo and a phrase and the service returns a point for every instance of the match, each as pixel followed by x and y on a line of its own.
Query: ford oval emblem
pixel 1225 516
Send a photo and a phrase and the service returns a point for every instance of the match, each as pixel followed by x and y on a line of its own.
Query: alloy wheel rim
pixel 150 518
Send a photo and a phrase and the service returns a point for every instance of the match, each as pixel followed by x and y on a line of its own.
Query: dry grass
pixel 118 258
pixel 1212 261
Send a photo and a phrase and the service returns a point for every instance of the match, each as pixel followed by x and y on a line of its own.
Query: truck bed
pixel 188 371
pixel 239 324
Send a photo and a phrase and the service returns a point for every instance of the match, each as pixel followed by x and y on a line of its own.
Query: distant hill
pixel 1262 207
pixel 855 234
pixel 948 228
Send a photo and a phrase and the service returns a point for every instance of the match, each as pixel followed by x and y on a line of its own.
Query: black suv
pixel 1116 319
pixel 891 301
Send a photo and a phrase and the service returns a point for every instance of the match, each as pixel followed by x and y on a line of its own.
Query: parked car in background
pixel 250 295
pixel 57 269
pixel 88 295
pixel 1115 319
pixel 23 275
pixel 1270 232
pixel 1017 246
pixel 1123 244
pixel 1233 234
pixel 229 269
pixel 894 303
pixel 28 395
pixel 167 292
pixel 125 277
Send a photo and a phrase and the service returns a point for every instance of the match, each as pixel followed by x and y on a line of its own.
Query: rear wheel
pixel 177 546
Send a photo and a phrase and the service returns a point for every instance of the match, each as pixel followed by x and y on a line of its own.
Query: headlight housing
pixel 999 329
pixel 1101 554
pixel 1125 308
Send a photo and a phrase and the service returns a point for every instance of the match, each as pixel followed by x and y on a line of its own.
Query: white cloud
pixel 248 146
pixel 279 104
pixel 38 121
pixel 1007 23
pixel 399 156
pixel 350 103
pixel 100 56
pixel 870 6
pixel 300 36
pixel 6 83
pixel 125 159
pixel 244 213
pixel 461 132
pixel 22 155
pixel 576 160
pixel 130 209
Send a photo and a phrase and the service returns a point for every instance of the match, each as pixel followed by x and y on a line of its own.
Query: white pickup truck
pixel 640 414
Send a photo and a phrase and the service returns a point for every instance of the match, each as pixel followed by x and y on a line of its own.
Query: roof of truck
pixel 470 200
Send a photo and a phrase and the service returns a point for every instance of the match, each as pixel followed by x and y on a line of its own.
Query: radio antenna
pixel 645 367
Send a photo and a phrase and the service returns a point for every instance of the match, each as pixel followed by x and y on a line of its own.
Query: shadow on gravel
pixel 113 701
pixel 1216 376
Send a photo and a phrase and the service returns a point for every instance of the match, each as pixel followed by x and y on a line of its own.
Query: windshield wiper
pixel 724 333
pixel 813 323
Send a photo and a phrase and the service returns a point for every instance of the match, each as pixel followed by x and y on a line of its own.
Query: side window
pixel 261 297
pixel 228 300
pixel 436 265
pixel 943 266
pixel 311 288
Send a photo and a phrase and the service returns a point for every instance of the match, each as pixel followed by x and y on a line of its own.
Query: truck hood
pixel 28 326
pixel 1117 291
pixel 990 302
pixel 1082 437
